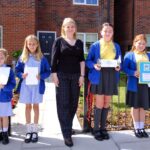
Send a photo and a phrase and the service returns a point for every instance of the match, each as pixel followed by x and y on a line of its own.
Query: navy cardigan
pixel 44 73
pixel 93 56
pixel 6 92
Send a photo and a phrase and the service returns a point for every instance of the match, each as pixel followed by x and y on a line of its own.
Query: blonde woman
pixel 68 75
pixel 32 95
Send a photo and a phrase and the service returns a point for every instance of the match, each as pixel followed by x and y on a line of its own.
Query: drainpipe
pixel 133 13
pixel 108 11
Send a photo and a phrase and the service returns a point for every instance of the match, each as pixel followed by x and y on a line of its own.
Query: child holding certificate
pixel 7 84
pixel 137 94
pixel 103 63
pixel 32 68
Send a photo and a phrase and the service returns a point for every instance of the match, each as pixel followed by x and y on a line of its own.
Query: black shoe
pixel 34 138
pixel 104 133
pixel 1 136
pixel 144 134
pixel 138 133
pixel 97 135
pixel 5 138
pixel 68 142
pixel 28 138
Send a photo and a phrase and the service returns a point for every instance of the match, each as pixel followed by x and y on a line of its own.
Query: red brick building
pixel 19 18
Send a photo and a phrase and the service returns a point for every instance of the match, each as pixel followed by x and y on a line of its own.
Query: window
pixel 88 39
pixel 148 42
pixel 1 40
pixel 86 2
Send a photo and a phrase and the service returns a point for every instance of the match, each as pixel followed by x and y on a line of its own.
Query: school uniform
pixel 105 81
pixel 137 94
pixel 6 95
pixel 31 94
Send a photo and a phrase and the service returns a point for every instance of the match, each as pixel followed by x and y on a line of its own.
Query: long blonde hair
pixel 65 22
pixel 4 52
pixel 137 38
pixel 25 53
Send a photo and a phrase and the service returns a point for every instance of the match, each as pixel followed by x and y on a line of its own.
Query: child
pixel 5 98
pixel 32 95
pixel 137 94
pixel 103 81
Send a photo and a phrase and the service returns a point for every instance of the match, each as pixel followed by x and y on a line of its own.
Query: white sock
pixel 5 129
pixel 136 125
pixel 141 125
pixel 35 128
pixel 29 128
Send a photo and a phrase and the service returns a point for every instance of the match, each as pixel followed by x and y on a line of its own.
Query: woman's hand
pixel 81 81
pixel 55 79
pixel 97 67
pixel 24 75
pixel 136 74
pixel 117 68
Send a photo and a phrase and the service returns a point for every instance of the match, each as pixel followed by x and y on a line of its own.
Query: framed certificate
pixel 4 75
pixel 144 73
pixel 109 63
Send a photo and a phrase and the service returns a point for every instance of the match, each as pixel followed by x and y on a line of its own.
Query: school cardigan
pixel 44 73
pixel 6 92
pixel 129 67
pixel 93 56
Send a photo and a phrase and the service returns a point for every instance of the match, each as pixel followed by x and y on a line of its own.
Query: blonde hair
pixel 65 22
pixel 4 52
pixel 25 53
pixel 137 38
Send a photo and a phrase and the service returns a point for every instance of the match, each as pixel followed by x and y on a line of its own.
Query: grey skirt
pixel 108 83
pixel 139 99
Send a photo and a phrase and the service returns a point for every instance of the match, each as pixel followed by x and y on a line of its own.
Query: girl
pixel 137 94
pixel 5 99
pixel 32 95
pixel 103 80
pixel 68 75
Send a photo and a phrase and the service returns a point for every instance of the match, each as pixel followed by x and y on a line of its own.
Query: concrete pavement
pixel 50 137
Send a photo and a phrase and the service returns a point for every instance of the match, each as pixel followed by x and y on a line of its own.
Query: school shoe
pixel 105 134
pixel 68 142
pixel 98 135
pixel 144 134
pixel 28 138
pixel 1 136
pixel 34 138
pixel 5 138
pixel 138 133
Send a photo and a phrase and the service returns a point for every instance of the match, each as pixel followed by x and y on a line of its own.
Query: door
pixel 46 41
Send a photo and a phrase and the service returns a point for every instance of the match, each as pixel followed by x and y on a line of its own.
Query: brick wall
pixel 18 20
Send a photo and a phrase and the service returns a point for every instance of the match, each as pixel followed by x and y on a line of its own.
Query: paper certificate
pixel 144 72
pixel 31 78
pixel 4 75
pixel 109 63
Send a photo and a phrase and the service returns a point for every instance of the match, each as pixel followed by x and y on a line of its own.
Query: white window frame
pixel 1 30
pixel 84 38
pixel 75 3
pixel 38 32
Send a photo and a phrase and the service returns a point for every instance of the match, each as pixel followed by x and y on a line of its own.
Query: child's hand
pixel 1 86
pixel 97 66
pixel 38 77
pixel 117 68
pixel 137 74
pixel 24 75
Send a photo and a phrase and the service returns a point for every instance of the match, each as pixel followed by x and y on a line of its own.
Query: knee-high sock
pixel 97 118
pixel 104 117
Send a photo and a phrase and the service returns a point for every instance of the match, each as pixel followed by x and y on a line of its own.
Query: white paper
pixel 31 78
pixel 109 63
pixel 146 76
pixel 4 75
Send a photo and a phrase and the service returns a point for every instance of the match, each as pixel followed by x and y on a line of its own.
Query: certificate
pixel 109 63
pixel 144 73
pixel 31 78
pixel 4 75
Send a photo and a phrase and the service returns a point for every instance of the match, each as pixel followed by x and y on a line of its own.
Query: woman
pixel 68 75
pixel 103 80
